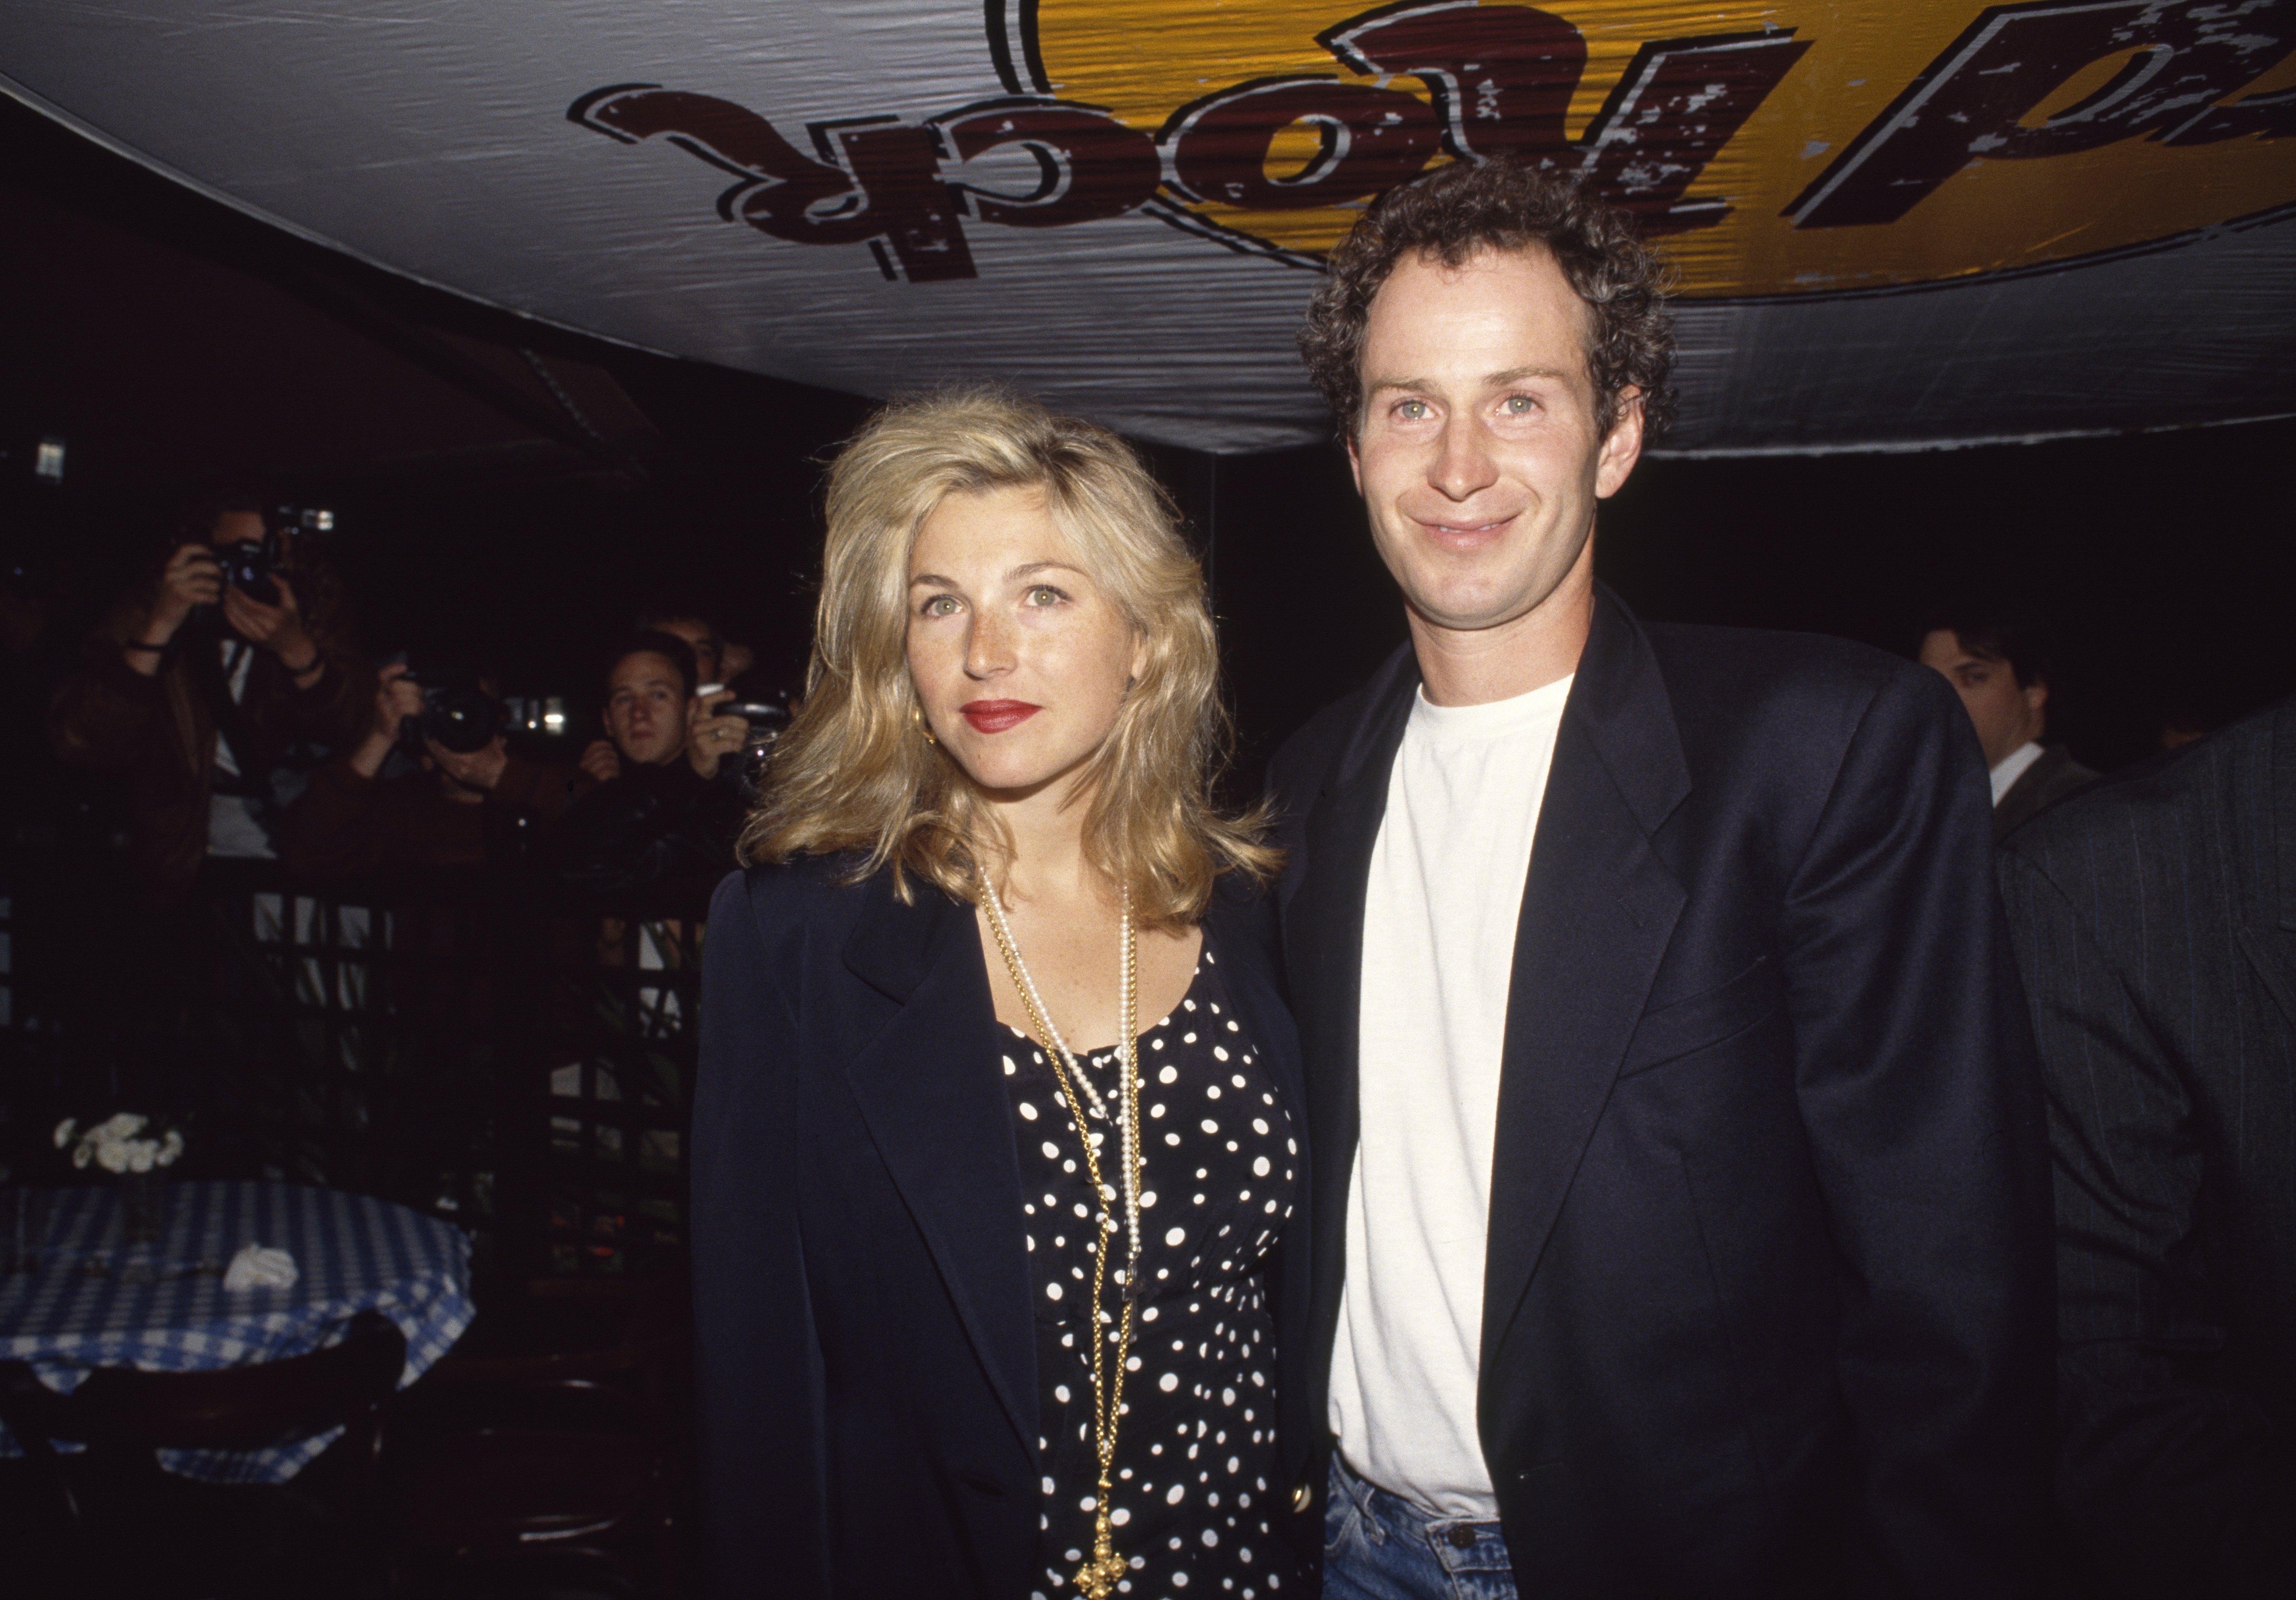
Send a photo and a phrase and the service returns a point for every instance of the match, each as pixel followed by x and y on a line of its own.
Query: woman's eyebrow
pixel 1030 569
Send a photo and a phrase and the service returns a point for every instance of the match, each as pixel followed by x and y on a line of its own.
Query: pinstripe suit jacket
pixel 2155 921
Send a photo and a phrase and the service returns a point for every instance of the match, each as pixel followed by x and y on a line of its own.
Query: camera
pixel 457 711
pixel 249 568
pixel 766 720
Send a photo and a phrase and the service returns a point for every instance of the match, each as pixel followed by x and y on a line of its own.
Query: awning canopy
pixel 1897 223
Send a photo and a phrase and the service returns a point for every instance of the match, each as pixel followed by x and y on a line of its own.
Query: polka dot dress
pixel 1195 1450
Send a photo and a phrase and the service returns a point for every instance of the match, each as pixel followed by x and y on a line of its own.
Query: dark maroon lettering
pixel 1372 139
pixel 1971 103
pixel 1502 76
pixel 1679 103
pixel 890 189
pixel 1090 165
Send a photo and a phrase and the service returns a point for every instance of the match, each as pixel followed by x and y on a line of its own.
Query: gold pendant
pixel 1097 1578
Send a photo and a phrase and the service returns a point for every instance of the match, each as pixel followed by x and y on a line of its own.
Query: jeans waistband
pixel 1461 1544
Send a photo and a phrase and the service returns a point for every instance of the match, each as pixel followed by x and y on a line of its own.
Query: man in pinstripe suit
pixel 2155 921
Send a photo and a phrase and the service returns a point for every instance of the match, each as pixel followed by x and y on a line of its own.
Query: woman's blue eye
pixel 1044 594
pixel 940 605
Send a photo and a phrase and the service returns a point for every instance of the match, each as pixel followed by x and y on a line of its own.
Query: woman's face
pixel 1021 660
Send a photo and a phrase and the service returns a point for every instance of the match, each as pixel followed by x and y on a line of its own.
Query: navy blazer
pixel 1768 1284
pixel 866 1363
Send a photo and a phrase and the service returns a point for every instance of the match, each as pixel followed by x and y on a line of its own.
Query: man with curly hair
pixel 1680 1205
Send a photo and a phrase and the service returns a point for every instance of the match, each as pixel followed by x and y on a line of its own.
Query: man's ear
pixel 2036 696
pixel 1354 457
pixel 1623 446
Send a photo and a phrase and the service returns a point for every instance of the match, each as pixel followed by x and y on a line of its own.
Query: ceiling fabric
pixel 1896 224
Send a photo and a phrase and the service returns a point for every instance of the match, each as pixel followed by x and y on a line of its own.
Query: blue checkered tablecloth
pixel 87 1307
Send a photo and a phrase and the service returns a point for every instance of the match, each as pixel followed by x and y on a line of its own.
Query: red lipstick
pixel 995 715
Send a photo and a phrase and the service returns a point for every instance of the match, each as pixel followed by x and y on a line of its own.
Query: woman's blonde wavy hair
pixel 854 772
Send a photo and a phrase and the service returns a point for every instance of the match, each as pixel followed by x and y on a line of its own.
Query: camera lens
pixel 461 717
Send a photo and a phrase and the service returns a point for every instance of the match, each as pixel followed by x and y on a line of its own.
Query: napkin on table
pixel 256 1268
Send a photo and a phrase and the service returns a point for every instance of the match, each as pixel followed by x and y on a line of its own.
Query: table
pixel 83 1308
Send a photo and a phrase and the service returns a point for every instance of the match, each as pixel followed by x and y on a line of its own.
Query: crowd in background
pixel 225 707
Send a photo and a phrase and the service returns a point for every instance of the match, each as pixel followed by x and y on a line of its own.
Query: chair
pixel 536 1459
pixel 121 1524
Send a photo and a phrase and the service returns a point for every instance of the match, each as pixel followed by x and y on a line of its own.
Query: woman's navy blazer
pixel 866 1350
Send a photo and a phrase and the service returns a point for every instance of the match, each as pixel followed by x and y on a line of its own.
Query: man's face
pixel 1478 454
pixel 709 649
pixel 2007 713
pixel 645 708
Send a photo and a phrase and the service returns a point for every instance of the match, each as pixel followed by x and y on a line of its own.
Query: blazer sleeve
pixel 758 1373
pixel 2169 1481
pixel 1918 1090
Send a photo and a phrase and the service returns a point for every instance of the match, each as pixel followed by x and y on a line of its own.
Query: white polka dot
pixel 1177 1235
pixel 1169 1074
pixel 1027 1111
pixel 1052 1292
pixel 1051 1150
pixel 1258 1168
pixel 1168 1381
pixel 1174 1495
pixel 1209 1126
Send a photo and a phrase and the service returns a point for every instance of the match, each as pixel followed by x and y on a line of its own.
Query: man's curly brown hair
pixel 1457 211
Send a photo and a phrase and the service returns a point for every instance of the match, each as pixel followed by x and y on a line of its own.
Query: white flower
pixel 123 1125
pixel 171 1147
pixel 64 1131
pixel 82 1154
pixel 141 1153
pixel 112 1155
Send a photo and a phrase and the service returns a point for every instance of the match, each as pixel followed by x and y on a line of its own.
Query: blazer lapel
pixel 930 1087
pixel 1323 954
pixel 1597 912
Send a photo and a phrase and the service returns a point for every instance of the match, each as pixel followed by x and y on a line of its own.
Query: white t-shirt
pixel 2012 767
pixel 232 828
pixel 1439 916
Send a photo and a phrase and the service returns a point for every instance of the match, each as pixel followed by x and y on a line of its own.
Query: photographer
pixel 667 807
pixel 203 684
pixel 464 800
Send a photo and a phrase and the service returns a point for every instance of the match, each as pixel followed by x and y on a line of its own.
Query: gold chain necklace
pixel 1098 1577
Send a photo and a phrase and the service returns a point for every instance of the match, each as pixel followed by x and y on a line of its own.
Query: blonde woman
pixel 995 1132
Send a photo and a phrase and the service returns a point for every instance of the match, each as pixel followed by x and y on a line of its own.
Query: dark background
pixel 515 489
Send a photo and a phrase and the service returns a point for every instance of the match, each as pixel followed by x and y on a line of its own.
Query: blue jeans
pixel 1377 1546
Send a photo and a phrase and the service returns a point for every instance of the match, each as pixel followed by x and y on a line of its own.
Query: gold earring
pixel 917 716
